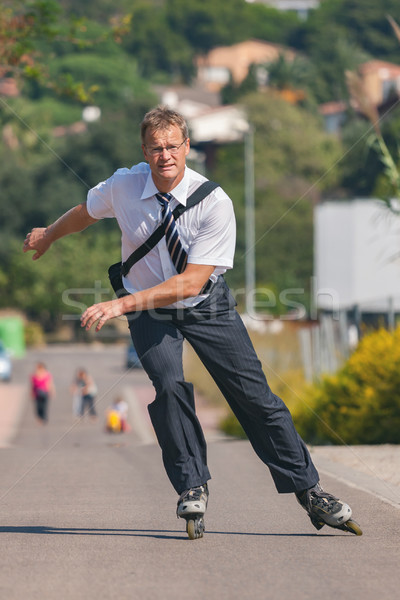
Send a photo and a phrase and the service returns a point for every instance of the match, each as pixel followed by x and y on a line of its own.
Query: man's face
pixel 167 166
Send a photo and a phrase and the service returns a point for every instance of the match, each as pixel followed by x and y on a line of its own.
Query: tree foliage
pixel 341 34
pixel 27 28
pixel 67 53
pixel 36 193
pixel 167 40
pixel 70 277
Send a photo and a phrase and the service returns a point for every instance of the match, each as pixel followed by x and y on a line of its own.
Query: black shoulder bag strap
pixel 198 195
pixel 116 271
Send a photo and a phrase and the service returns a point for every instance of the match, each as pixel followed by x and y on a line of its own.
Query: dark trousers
pixel 88 403
pixel 41 401
pixel 218 336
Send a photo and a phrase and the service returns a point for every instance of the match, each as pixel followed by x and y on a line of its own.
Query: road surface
pixel 89 515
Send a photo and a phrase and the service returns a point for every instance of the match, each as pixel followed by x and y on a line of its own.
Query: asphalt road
pixel 89 515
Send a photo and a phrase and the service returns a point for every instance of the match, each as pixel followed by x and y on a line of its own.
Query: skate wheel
pixel 195 528
pixel 352 527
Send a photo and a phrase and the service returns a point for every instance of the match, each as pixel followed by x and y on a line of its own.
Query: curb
pixel 375 486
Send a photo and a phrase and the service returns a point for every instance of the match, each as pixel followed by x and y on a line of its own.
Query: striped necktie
pixel 174 244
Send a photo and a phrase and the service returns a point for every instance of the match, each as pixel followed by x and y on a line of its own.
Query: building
pixel 208 120
pixel 334 115
pixel 215 69
pixel 381 80
pixel 301 7
pixel 357 258
pixel 8 84
pixel 379 87
pixel 210 124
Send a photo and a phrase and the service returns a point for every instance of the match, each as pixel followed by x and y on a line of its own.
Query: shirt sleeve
pixel 100 201
pixel 215 241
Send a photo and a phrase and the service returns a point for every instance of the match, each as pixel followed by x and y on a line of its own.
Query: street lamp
pixel 250 263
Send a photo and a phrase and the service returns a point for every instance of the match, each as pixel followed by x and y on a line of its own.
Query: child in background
pixel 117 416
pixel 84 391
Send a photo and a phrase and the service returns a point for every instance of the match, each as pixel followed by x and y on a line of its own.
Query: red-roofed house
pixel 381 79
pixel 216 68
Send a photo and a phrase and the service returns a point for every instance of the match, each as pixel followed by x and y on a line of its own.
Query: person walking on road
pixel 176 291
pixel 42 387
pixel 84 391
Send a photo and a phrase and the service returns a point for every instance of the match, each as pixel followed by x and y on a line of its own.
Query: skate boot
pixel 192 505
pixel 325 509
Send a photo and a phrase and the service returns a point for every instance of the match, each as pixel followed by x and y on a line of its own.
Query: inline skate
pixel 191 506
pixel 325 509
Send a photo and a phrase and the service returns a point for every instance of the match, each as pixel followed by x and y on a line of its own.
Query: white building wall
pixel 225 124
pixel 357 256
pixel 302 7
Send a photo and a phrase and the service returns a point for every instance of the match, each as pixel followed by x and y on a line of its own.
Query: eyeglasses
pixel 170 149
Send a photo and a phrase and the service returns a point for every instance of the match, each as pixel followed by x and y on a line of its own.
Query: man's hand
pixel 37 240
pixel 74 220
pixel 176 288
pixel 102 312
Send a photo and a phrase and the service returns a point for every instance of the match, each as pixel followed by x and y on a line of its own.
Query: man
pixel 176 292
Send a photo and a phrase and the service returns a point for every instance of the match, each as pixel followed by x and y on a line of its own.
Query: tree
pixel 206 23
pixel 294 162
pixel 100 11
pixel 368 25
pixel 382 138
pixel 166 36
pixel 64 281
pixel 26 29
pixel 113 80
pixel 157 47
pixel 265 22
pixel 363 23
pixel 37 192
pixel 341 34
pixel 232 92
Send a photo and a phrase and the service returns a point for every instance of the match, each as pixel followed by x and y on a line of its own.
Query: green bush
pixel 360 404
pixel 231 426
pixel 34 334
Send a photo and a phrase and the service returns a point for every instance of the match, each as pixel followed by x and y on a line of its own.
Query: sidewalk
pixel 374 469
pixel 13 399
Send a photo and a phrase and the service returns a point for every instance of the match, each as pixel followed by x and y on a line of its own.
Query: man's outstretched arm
pixel 185 285
pixel 41 238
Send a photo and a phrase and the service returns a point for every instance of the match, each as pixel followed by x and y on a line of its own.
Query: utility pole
pixel 250 263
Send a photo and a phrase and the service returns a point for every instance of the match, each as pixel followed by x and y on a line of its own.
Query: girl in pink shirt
pixel 42 389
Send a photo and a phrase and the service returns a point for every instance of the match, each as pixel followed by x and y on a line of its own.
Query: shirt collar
pixel 179 192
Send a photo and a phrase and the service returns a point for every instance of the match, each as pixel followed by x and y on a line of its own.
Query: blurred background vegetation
pixel 68 54
pixel 360 404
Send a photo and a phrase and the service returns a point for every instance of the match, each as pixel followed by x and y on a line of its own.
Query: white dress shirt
pixel 207 231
